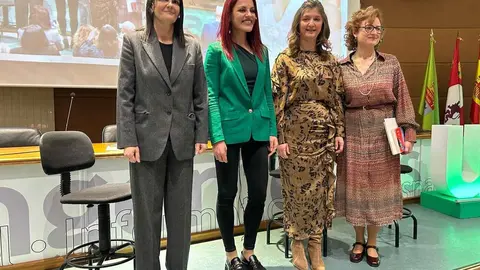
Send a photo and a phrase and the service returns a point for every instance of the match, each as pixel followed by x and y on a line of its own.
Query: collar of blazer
pixel 237 66
pixel 179 56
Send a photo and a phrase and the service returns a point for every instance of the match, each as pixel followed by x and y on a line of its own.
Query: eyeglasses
pixel 370 28
pixel 174 2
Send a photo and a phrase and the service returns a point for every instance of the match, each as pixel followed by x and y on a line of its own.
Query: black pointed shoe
pixel 234 264
pixel 253 263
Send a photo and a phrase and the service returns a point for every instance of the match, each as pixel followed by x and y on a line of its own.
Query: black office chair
pixel 277 218
pixel 407 213
pixel 18 137
pixel 63 152
pixel 109 134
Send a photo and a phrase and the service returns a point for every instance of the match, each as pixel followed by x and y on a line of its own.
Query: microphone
pixel 72 95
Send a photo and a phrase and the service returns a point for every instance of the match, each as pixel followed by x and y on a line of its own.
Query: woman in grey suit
pixel 162 121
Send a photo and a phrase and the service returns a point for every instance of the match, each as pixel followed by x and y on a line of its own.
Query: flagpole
pixel 454 105
pixel 428 106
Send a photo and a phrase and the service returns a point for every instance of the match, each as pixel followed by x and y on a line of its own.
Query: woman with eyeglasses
pixel 162 122
pixel 369 191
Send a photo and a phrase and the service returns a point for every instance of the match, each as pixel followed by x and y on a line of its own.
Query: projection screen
pixel 77 43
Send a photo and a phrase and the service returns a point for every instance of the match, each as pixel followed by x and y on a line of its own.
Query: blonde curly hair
pixel 353 25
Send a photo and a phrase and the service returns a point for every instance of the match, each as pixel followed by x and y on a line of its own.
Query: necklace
pixel 358 81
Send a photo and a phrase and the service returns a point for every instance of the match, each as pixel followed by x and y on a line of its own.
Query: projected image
pixel 77 43
pixel 94 28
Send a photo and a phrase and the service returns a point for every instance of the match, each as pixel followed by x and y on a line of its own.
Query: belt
pixel 371 107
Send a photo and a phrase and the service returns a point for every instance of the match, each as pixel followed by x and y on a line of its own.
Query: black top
pixel 167 51
pixel 249 65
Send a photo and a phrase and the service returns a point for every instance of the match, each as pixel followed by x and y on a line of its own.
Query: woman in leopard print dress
pixel 308 89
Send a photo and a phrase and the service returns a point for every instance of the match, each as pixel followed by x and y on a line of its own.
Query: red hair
pixel 253 37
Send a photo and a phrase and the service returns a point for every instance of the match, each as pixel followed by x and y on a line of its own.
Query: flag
pixel 475 108
pixel 429 100
pixel 454 106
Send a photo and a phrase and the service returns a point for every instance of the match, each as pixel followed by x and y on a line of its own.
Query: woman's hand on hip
pixel 132 153
pixel 273 145
pixel 220 151
pixel 339 145
pixel 283 150
pixel 408 148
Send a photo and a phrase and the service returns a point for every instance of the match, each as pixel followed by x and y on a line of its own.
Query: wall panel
pixel 428 13
pixel 27 107
pixel 408 24
pixel 92 109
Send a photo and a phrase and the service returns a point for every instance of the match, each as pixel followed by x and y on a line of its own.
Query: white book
pixel 391 128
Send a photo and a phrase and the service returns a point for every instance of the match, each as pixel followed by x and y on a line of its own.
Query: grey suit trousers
pixel 165 181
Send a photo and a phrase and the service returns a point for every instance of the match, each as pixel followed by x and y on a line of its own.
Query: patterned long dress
pixel 308 101
pixel 368 190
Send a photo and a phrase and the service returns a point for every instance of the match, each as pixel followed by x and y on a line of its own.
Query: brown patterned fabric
pixel 308 102
pixel 368 189
pixel 104 12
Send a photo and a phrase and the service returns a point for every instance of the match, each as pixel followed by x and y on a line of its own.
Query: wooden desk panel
pixel 27 107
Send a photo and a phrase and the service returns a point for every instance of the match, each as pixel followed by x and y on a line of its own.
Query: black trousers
pixel 255 165
pixel 62 15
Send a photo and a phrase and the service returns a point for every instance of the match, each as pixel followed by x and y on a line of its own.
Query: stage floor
pixel 444 243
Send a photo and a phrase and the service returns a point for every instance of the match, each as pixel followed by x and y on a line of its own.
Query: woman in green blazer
pixel 241 117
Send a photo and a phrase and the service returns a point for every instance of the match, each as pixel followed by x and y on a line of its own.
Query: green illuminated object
pixel 455 170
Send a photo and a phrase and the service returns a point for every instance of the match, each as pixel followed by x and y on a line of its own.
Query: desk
pixel 31 154
pixel 35 226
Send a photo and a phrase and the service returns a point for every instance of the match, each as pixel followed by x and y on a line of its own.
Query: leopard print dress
pixel 308 92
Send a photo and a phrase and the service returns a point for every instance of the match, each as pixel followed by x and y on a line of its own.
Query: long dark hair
pixel 177 26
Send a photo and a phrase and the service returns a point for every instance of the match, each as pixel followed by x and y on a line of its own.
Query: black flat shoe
pixel 253 263
pixel 372 261
pixel 234 264
pixel 357 257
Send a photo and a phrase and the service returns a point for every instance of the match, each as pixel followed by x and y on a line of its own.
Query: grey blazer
pixel 153 106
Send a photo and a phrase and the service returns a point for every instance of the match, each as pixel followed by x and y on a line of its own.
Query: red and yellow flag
pixel 454 106
pixel 475 108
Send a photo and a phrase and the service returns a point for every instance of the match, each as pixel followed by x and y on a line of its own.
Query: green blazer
pixel 235 116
